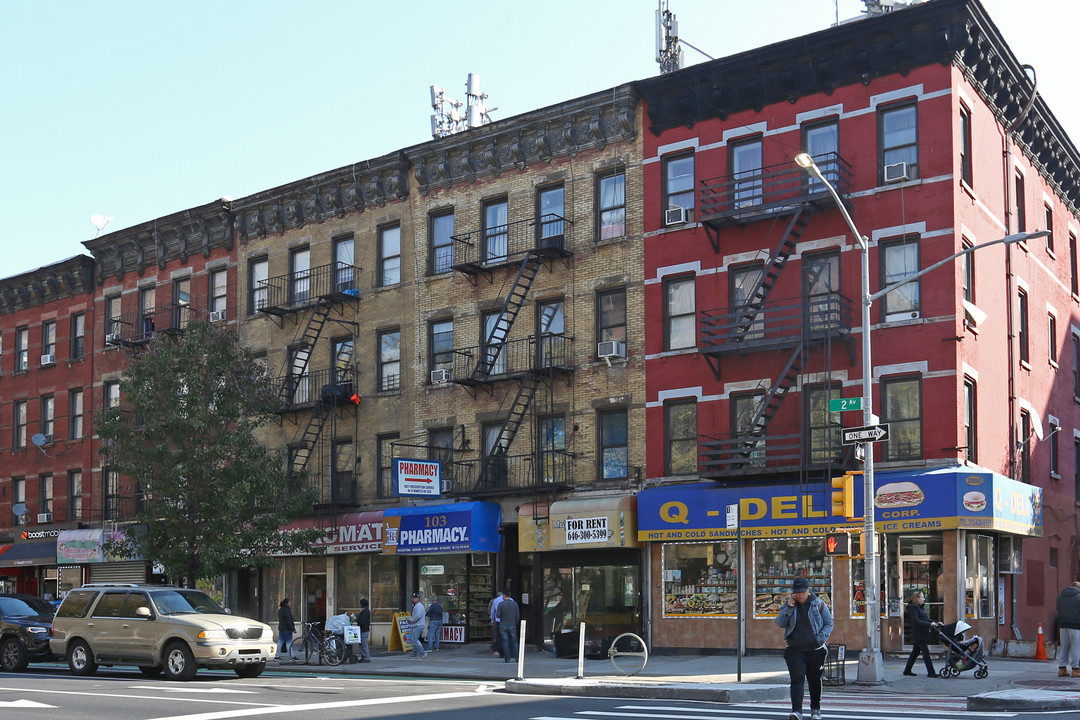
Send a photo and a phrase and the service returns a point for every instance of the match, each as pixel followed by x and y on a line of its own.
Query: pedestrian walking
pixel 496 643
pixel 807 624
pixel 363 621
pixel 1068 622
pixel 286 627
pixel 435 623
pixel 416 627
pixel 508 615
pixel 921 624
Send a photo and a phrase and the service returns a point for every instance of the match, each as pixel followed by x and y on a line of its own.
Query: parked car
pixel 25 627
pixel 159 629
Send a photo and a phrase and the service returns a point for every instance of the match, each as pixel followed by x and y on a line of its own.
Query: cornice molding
pixel 47 284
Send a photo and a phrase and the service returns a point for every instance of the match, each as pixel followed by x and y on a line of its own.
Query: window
pixel 1076 365
pixel 980 577
pixel 22 349
pixel 551 217
pixel 181 303
pixel 614 449
pixel 1051 332
pixel 147 302
pixel 492 347
pixel 442 345
pixel 389 255
pixel 821 288
pixel 900 139
pixel 219 290
pixel 967 270
pixel 496 230
pixel 342 353
pixel 48 416
pixel 680 424
pixel 744 412
pixel 389 360
pixel 344 263
pixel 18 496
pixel 611 205
pixel 903 412
pixel 386 451
pixel 1025 446
pixel 1055 430
pixel 554 465
pixel 78 335
pixel 822 142
pixel 258 285
pixel 900 260
pixel 441 448
pixel 746 173
pixel 112 494
pixel 342 480
pixel 75 414
pixel 1048 213
pixel 299 275
pixel 1021 203
pixel 19 424
pixel 679 186
pixel 1022 334
pixel 1076 468
pixel 45 488
pixel 551 332
pixel 299 379
pixel 743 284
pixel 824 427
pixel 494 468
pixel 611 315
pixel 965 147
pixel 48 338
pixel 971 449
pixel 680 328
pixel 441 232
pixel 74 495
pixel 112 316
pixel 112 394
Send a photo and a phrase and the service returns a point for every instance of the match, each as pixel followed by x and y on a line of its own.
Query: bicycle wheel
pixel 301 649
pixel 333 650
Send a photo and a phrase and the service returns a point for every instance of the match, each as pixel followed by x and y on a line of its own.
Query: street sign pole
pixel 734 522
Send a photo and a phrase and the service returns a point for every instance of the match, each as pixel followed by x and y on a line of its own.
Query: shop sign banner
pixel 349 533
pixel 87 546
pixel 458 527
pixel 586 524
pixel 417 478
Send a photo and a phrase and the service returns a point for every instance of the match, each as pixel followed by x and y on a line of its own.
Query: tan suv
pixel 158 628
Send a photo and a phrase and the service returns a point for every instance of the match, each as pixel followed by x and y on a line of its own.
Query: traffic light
pixel 838 544
pixel 843 495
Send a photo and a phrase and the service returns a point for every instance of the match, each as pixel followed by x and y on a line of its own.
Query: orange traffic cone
pixel 1040 645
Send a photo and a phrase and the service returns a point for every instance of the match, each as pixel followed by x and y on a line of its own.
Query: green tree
pixel 214 498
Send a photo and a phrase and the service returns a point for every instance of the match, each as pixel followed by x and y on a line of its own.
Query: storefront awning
pixel 29 553
pixel 587 524
pixel 940 499
pixel 457 527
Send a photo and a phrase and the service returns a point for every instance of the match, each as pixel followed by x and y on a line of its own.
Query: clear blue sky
pixel 139 109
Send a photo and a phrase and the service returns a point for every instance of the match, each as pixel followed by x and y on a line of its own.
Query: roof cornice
pixel 50 283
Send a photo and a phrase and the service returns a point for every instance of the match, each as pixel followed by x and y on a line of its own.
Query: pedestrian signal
pixel 838 544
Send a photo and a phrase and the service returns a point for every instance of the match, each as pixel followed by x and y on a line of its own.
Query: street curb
pixel 658 691
pixel 1024 700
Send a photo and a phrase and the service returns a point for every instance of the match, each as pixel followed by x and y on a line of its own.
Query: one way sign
pixel 870 433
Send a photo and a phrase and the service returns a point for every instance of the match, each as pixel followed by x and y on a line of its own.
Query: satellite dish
pixel 38 439
pixel 18 509
pixel 100 222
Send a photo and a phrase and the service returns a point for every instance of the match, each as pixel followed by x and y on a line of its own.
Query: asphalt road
pixel 49 692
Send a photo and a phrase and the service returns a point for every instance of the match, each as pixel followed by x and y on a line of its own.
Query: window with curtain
pixel 680 313
pixel 611 205
pixel 389 255
pixel 903 412
pixel 441 232
pixel 496 231
pixel 899 138
pixel 389 360
pixel 900 260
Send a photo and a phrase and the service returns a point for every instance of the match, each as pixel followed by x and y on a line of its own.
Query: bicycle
pixel 316 641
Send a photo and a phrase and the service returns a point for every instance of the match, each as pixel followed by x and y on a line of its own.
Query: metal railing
pixel 297 290
pixel 780 322
pixel 511 474
pixel 731 198
pixel 779 449
pixel 505 361
pixel 142 325
pixel 505 244
pixel 328 386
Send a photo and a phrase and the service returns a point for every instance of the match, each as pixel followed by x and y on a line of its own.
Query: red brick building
pixel 925 123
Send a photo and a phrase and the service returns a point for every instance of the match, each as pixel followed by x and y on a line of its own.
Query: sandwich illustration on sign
pixel 898 494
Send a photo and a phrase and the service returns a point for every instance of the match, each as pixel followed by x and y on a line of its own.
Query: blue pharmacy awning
pixel 457 527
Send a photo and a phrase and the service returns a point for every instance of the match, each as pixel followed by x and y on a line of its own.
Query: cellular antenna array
pixel 452 116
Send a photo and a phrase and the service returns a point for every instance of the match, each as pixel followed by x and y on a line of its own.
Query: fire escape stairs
pixel 310 436
pixel 770 403
pixel 299 361
pixel 515 299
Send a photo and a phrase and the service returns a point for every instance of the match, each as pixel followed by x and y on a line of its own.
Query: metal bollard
pixel 581 653
pixel 521 652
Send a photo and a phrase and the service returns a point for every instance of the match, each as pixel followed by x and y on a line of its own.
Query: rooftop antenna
pixel 100 222
pixel 669 52
pixel 880 7
pixel 452 116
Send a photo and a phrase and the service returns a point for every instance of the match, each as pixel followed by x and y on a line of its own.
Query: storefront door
pixel 315 598
pixel 604 597
pixel 923 575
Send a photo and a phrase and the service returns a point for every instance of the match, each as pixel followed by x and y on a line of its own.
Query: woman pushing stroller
pixel 921 626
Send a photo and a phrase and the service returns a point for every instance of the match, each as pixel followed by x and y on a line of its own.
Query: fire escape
pixel 533 362
pixel 312 398
pixel 795 330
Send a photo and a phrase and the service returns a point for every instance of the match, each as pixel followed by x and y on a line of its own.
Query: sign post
pixel 733 523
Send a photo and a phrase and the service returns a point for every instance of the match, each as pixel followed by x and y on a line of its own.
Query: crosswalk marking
pixel 860 707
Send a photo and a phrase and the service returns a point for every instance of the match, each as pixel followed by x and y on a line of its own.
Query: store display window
pixel 979 580
pixel 445 578
pixel 700 579
pixel 778 562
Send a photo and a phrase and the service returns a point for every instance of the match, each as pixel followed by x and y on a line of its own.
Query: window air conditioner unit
pixel 48 359
pixel 610 349
pixel 112 339
pixel 44 518
pixel 676 215
pixel 217 316
pixel 897 172
pixel 439 377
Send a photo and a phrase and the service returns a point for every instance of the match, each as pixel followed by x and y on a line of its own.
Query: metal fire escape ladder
pixel 526 274
pixel 779 258
pixel 770 403
pixel 299 361
pixel 310 437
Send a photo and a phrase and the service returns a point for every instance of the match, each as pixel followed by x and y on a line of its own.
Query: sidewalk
pixel 1013 684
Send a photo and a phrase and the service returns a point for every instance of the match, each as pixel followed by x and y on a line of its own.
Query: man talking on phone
pixel 807 625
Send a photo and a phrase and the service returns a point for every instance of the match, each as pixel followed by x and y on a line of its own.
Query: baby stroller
pixel 961 654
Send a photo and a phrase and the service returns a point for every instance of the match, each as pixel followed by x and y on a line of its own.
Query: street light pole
pixel 871 663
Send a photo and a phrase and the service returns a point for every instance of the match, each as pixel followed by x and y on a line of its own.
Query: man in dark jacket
pixel 286 627
pixel 920 634
pixel 509 616
pixel 807 624
pixel 1068 621
pixel 363 621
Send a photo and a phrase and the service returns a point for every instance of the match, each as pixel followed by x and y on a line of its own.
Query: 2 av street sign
pixel 870 433
pixel 845 404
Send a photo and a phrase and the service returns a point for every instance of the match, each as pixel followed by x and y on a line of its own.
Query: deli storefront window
pixel 778 562
pixel 700 579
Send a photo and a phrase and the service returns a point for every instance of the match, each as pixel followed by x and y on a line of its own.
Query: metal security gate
pixel 117 572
